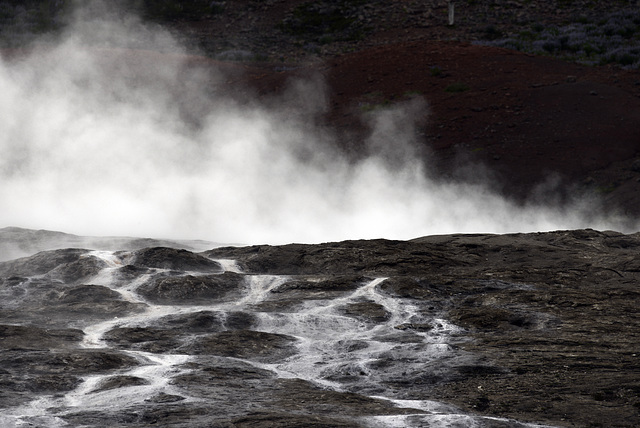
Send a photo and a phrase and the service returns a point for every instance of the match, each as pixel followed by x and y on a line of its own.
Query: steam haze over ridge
pixel 99 141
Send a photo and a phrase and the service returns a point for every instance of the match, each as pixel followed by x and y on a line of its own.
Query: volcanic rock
pixel 144 338
pixel 529 327
pixel 526 299
pixel 248 344
pixel 376 257
pixel 29 373
pixel 191 289
pixel 174 259
pixel 116 382
pixel 207 321
pixel 370 311
pixel 286 296
pixel 55 303
pixel 41 263
pixel 313 286
pixel 30 337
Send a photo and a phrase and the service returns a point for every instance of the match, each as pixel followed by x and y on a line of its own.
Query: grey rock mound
pixel 26 374
pixel 174 259
pixel 370 258
pixel 536 327
pixel 41 263
pixel 116 382
pixel 190 289
pixel 248 344
pixel 53 303
pixel 14 337
pixel 292 293
pixel 208 321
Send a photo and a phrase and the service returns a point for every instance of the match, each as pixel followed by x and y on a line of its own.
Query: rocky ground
pixel 556 337
pixel 496 330
pixel 548 321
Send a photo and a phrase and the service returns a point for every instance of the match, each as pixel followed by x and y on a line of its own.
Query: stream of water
pixel 333 350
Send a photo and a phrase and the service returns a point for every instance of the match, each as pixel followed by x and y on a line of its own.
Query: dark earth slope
pixel 553 316
pixel 538 127
pixel 549 332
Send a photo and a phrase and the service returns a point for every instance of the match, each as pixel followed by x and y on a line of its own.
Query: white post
pixel 451 12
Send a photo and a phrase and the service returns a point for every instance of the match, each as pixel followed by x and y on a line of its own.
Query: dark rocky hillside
pixel 512 330
pixel 474 330
pixel 509 329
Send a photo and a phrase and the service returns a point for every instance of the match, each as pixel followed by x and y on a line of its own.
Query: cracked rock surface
pixel 498 330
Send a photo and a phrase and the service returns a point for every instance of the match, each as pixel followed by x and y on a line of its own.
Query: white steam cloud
pixel 97 139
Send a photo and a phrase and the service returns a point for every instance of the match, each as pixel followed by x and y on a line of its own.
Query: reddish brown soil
pixel 538 127
pixel 541 127
pixel 535 123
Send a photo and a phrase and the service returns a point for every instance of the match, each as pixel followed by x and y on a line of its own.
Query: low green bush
pixel 325 22
pixel 611 39
pixel 173 9
pixel 457 87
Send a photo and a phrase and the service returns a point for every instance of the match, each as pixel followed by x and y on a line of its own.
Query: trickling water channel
pixel 359 341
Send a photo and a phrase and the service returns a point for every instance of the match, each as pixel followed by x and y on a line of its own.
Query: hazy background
pixel 100 135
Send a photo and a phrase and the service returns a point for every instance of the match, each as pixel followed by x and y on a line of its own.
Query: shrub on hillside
pixel 611 39
pixel 21 21
pixel 175 9
pixel 326 21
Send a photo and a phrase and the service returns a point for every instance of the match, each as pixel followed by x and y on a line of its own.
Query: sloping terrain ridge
pixel 461 330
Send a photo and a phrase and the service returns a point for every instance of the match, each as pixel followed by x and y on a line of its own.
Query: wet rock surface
pixel 29 373
pixel 175 259
pixel 552 313
pixel 191 289
pixel 246 344
pixel 492 330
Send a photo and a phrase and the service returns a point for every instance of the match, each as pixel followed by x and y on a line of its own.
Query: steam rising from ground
pixel 102 141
